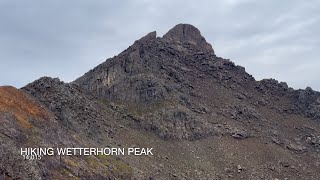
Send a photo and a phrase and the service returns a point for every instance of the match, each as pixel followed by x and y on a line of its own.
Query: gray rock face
pixel 152 68
pixel 186 33
pixel 308 101
pixel 304 102
pixel 273 87
pixel 146 39
pixel 76 110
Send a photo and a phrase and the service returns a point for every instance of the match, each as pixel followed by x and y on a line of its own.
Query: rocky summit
pixel 203 116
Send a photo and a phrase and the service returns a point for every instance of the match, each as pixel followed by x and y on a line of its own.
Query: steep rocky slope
pixel 26 122
pixel 205 117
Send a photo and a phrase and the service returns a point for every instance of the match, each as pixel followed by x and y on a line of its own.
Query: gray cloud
pixel 272 39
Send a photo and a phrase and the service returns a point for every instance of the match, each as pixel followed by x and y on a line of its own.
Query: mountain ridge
pixel 174 94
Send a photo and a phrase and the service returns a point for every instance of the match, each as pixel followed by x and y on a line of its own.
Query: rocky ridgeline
pixel 76 110
pixel 304 102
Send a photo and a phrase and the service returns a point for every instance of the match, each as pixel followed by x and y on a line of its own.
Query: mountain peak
pixel 164 93
pixel 187 33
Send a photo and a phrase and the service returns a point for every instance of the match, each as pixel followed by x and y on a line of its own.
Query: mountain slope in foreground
pixel 205 117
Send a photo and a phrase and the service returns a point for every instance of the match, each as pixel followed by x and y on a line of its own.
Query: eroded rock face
pixel 147 70
pixel 304 102
pixel 273 87
pixel 186 33
pixel 308 101
pixel 74 109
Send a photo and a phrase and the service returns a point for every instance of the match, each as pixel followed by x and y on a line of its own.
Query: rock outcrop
pixel 188 34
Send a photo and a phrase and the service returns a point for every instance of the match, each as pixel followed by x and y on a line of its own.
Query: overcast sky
pixel 65 39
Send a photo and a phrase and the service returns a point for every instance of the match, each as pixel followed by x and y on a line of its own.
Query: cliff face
pixel 150 69
pixel 205 117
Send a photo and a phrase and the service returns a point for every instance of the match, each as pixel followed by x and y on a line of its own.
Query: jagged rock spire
pixel 150 36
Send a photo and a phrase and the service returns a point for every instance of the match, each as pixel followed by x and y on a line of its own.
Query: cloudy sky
pixel 58 38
